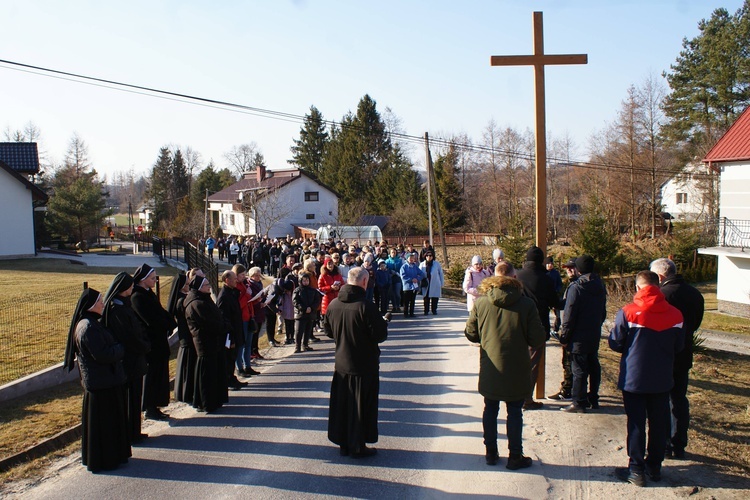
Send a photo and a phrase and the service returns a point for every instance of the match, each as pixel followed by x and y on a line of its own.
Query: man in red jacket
pixel 648 333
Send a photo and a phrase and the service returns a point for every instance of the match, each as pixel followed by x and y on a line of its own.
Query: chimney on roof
pixel 260 172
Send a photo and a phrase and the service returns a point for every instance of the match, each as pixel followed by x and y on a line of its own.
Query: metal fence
pixel 734 233
pixel 34 332
pixel 181 250
pixel 450 239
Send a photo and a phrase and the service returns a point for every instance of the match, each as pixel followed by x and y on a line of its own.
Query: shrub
pixel 455 274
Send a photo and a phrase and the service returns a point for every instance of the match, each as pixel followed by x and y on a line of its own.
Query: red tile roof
pixel 734 145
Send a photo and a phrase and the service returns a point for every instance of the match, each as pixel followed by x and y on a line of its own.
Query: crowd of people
pixel 509 316
pixel 350 293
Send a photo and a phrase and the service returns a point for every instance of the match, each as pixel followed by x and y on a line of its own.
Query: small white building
pixel 18 160
pixel 273 203
pixel 731 157
pixel 682 195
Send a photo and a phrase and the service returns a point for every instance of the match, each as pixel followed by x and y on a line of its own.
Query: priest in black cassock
pixel 158 325
pixel 357 328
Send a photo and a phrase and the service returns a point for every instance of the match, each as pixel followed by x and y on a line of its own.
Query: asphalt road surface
pixel 270 441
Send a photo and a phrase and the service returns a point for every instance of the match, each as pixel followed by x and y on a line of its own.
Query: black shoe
pixel 520 462
pixel 625 474
pixel 140 438
pixel 560 396
pixel 434 313
pixel 533 405
pixel 308 348
pixel 314 339
pixel 491 457
pixel 156 414
pixel 653 473
pixel 250 372
pixel 678 453
pixel 426 313
pixel 297 350
pixel 573 408
pixel 594 404
pixel 364 452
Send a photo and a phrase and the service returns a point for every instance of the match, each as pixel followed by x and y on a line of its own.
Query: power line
pixel 293 118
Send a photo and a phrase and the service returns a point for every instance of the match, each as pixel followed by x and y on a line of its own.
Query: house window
pixel 681 198
pixel 231 219
pixel 311 196
pixel 310 216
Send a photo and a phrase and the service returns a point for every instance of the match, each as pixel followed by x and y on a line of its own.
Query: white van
pixel 350 233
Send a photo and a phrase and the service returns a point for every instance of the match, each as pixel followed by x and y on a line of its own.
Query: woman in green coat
pixel 505 323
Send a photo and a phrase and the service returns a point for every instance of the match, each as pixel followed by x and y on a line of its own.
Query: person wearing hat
pixel 498 256
pixel 539 286
pixel 506 325
pixel 549 265
pixel 120 320
pixel 158 324
pixel 228 302
pixel 473 276
pixel 208 329
pixel 105 442
pixel 567 382
pixel 580 332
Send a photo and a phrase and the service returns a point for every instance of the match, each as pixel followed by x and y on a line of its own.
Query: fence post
pixel 85 285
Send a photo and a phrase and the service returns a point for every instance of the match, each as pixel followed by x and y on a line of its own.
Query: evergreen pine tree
pixel 309 149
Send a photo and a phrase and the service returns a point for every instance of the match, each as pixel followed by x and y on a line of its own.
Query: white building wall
pixel 686 185
pixel 733 283
pixel 291 199
pixel 735 191
pixel 16 218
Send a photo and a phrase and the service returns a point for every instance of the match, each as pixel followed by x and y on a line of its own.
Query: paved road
pixel 270 441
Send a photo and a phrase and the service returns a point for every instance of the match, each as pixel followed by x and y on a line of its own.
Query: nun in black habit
pixel 158 324
pixel 105 438
pixel 122 322
pixel 208 329
pixel 184 382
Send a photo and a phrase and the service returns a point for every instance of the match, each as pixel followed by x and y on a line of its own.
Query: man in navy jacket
pixel 648 332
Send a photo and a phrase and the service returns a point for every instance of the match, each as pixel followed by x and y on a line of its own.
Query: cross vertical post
pixel 539 60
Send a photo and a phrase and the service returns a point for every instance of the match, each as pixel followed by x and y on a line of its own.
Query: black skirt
pixel 156 382
pixel 184 382
pixel 105 441
pixel 208 394
pixel 353 410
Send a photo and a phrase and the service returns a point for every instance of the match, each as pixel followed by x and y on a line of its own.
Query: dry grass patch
pixel 37 299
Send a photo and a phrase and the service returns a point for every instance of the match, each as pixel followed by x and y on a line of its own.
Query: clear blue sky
pixel 427 61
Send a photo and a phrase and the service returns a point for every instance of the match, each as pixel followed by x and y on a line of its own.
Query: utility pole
pixel 431 182
pixel 205 216
pixel 429 188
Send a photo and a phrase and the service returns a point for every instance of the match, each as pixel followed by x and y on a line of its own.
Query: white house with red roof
pixel 730 156
pixel 18 160
pixel 273 203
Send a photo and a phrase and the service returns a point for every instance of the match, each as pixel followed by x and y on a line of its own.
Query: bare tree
pixel 264 208
pixel 240 158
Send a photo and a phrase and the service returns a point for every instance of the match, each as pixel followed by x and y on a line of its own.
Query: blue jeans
pixel 244 352
pixel 513 425
pixel 396 295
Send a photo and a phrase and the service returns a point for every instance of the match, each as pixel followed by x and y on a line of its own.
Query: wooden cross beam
pixel 539 60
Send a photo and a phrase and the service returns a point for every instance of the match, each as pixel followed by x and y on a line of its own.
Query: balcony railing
pixel 734 233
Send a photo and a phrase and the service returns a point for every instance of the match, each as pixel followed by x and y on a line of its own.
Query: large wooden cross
pixel 539 60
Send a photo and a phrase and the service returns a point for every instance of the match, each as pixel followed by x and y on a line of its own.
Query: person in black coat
pixel 581 331
pixel 120 319
pixel 229 304
pixel 357 328
pixel 691 304
pixel 306 301
pixel 158 325
pixel 186 357
pixel 539 286
pixel 105 442
pixel 208 328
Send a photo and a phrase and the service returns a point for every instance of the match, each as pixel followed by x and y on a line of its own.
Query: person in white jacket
pixel 474 275
pixel 435 281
